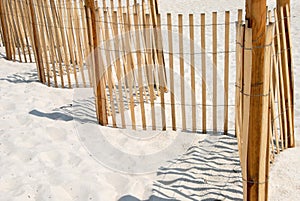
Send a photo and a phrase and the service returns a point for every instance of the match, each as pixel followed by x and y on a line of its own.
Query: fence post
pixel 100 93
pixel 258 117
pixel 36 43
pixel 4 27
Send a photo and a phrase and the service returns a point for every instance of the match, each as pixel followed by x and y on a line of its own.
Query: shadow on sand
pixel 209 170
pixel 82 111
pixel 26 77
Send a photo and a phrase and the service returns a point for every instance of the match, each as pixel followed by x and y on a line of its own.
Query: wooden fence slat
pixel 238 102
pixel 142 21
pixel 11 33
pixel 79 42
pixel 120 13
pixel 226 69
pixel 150 70
pixel 161 72
pixel 91 46
pixel 269 157
pixel 37 43
pixel 215 66
pixel 112 6
pixel 104 5
pixel 140 71
pixel 265 140
pixel 102 70
pixel 171 66
pixel 291 63
pixel 203 65
pixel 108 68
pixel 240 29
pixel 193 82
pixel 273 86
pixel 182 83
pixel 153 13
pixel 273 91
pixel 28 21
pixel 247 63
pixel 160 55
pixel 135 6
pixel 154 40
pixel 279 87
pixel 286 76
pixel 102 50
pixel 280 78
pixel 64 38
pixel 43 32
pixel 118 68
pixel 130 68
pixel 239 69
pixel 85 39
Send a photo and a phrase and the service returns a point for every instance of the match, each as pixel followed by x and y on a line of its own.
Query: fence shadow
pixel 26 77
pixel 208 171
pixel 82 111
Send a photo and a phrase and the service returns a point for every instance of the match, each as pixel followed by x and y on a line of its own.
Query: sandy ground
pixel 52 149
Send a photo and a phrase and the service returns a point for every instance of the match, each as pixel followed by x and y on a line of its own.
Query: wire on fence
pixel 167 103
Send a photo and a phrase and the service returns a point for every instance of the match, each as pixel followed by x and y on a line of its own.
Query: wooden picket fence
pixel 278 125
pixel 15 32
pixel 141 66
pixel 56 34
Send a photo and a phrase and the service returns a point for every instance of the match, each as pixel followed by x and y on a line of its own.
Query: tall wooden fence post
pixel 100 89
pixel 36 43
pixel 258 117
pixel 4 27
